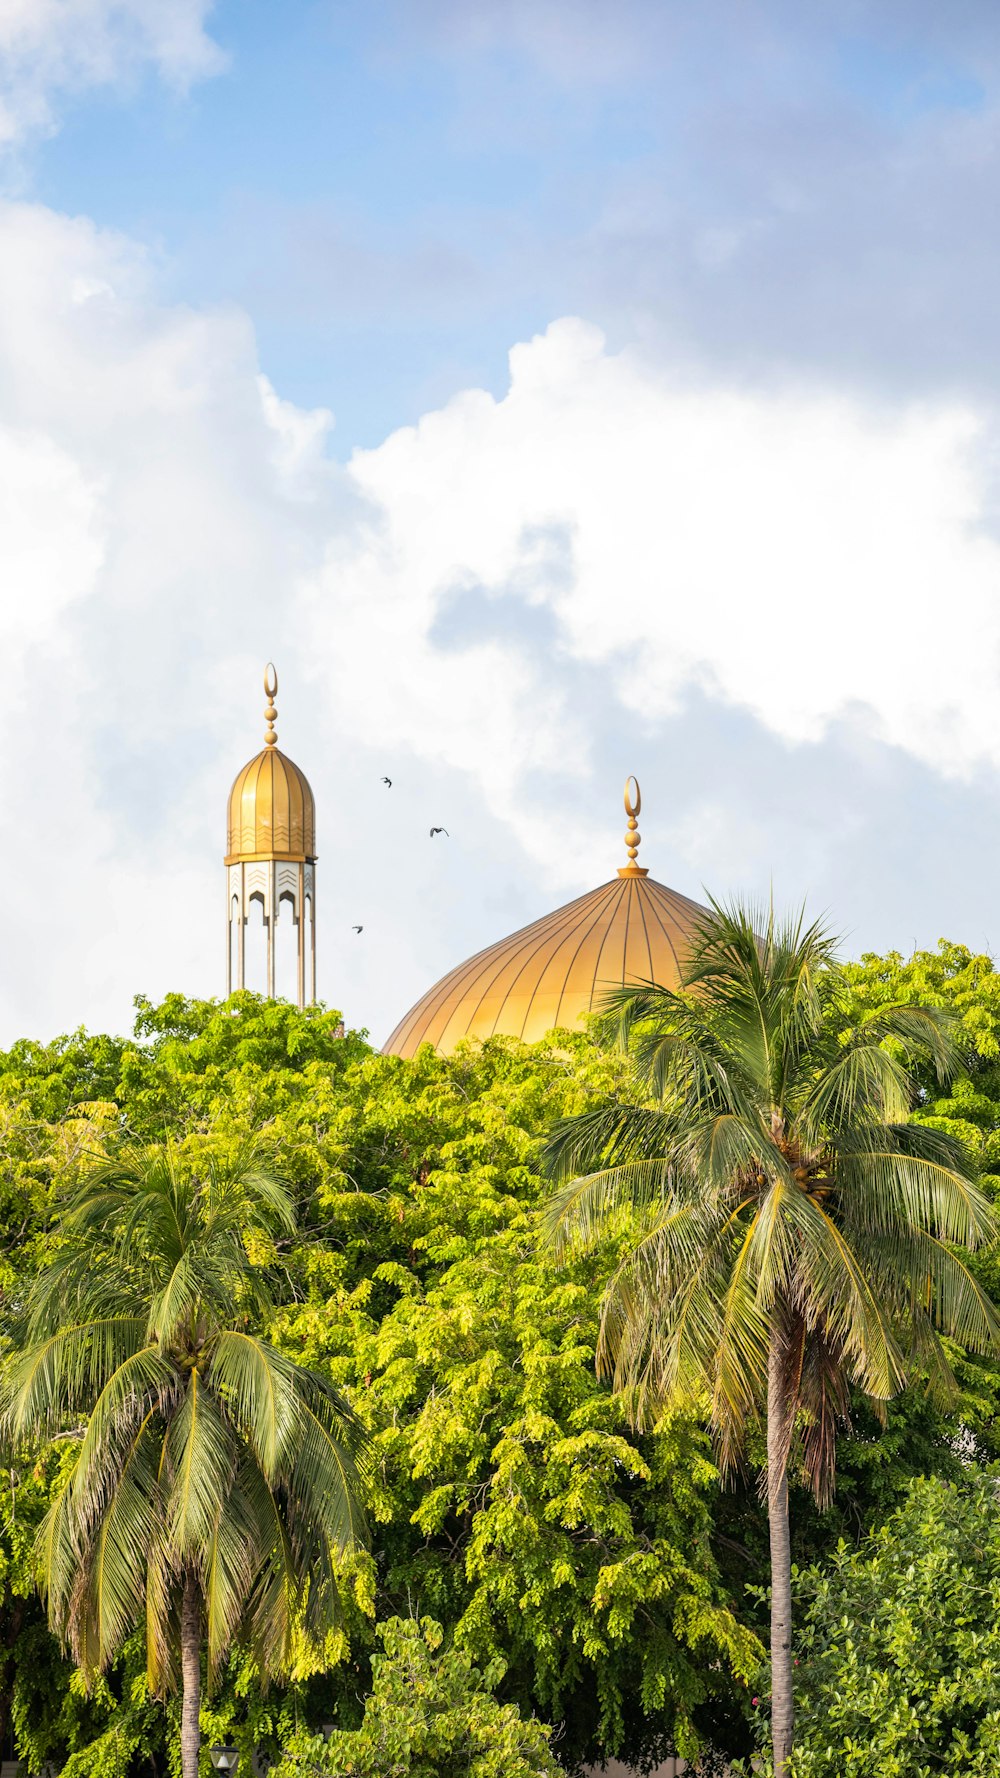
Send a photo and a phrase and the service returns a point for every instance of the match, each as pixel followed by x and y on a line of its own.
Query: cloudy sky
pixel 554 390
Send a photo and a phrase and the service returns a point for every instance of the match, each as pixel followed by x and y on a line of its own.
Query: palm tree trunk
pixel 782 1703
pixel 190 1676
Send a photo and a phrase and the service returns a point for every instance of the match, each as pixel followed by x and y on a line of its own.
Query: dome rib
pixel 558 934
pixel 654 910
pixel 616 898
pixel 645 934
pixel 506 952
pixel 604 983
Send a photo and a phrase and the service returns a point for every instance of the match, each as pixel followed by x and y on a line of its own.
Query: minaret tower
pixel 271 855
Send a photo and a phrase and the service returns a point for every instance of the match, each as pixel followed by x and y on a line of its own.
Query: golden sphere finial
pixel 270 692
pixel 633 838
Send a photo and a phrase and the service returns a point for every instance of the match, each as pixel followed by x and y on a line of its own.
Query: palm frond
pixel 276 1599
pixel 202 1455
pixel 824 1400
pixel 63 1373
pixel 836 1293
pixel 925 1280
pixel 934 1032
pixel 116 1571
pixel 323 1476
pixel 622 1132
pixel 866 1085
pixel 739 1379
pixel 583 1211
pixel 57 1556
pixel 917 1178
pixel 141 1384
pixel 257 1386
pixel 162 1620
pixel 231 1566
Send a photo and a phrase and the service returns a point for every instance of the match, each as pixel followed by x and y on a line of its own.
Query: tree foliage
pixel 512 1502
pixel 788 1230
pixel 898 1670
pixel 431 1713
pixel 213 1483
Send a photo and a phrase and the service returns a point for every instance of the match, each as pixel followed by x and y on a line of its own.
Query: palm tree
pixel 215 1480
pixel 788 1234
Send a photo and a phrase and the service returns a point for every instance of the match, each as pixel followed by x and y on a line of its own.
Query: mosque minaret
pixel 271 857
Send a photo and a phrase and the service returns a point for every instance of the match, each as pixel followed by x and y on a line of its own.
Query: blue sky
pixel 395 196
pixel 555 391
pixel 336 181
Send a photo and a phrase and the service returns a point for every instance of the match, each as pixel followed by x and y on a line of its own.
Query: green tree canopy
pixel 214 1482
pixel 431 1713
pixel 789 1231
pixel 512 1501
pixel 898 1671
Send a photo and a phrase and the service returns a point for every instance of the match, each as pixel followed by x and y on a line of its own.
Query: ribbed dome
pixel 556 970
pixel 272 811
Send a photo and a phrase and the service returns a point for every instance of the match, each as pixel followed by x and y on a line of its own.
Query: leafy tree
pixel 431 1713
pixel 213 1481
pixel 511 1502
pixel 790 1231
pixel 899 1646
pixel 964 982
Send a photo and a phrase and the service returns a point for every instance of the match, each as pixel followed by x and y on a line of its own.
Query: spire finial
pixel 633 838
pixel 270 692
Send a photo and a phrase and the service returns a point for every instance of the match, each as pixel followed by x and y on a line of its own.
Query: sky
pixel 554 391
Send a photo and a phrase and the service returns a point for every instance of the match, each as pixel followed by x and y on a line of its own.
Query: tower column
pixel 312 933
pixel 300 934
pixel 241 934
pixel 270 917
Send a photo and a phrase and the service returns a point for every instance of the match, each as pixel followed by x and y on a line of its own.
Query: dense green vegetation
pixel 431 1713
pixel 790 1232
pixel 601 1581
pixel 214 1492
pixel 899 1651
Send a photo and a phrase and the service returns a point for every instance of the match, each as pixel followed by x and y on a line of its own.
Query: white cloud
pixel 52 49
pixel 793 553
pixel 468 607
pixel 148 546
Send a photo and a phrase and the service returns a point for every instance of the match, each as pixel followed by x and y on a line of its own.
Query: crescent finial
pixel 633 838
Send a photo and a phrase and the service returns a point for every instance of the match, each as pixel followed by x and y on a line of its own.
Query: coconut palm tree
pixel 215 1481
pixel 788 1233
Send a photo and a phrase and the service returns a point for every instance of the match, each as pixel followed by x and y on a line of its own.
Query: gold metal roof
pixel 556 970
pixel 272 811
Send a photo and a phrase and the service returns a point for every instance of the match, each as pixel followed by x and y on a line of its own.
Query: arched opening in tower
pixel 286 950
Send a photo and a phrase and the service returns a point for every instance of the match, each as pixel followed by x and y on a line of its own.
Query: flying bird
pixel 387 781
pixel 443 830
pixel 357 929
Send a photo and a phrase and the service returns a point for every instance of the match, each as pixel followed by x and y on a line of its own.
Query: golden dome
pixel 272 810
pixel 557 970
